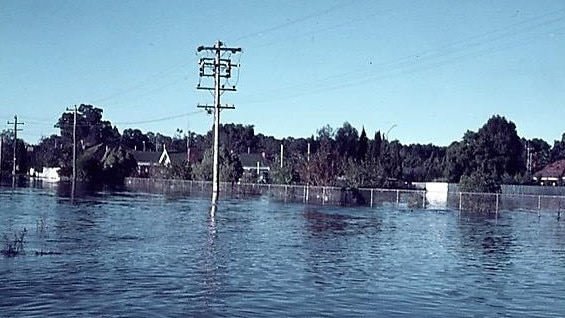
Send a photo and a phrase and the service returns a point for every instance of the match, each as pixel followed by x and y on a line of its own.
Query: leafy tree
pixel 558 150
pixel 229 164
pixel 391 160
pixel 491 155
pixel 289 173
pixel 347 139
pixel 363 146
pixel 22 161
pixel 422 162
pixel 102 165
pixel 48 152
pixel 136 139
pixel 321 169
pixel 376 146
pixel 117 164
pixel 479 181
pixel 90 129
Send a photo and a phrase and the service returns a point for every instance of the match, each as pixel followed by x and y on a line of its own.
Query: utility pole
pixel 528 158
pixel 74 110
pixel 219 68
pixel 16 129
pixel 282 155
pixel 1 146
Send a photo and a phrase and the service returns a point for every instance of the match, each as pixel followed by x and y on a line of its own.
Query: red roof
pixel 552 170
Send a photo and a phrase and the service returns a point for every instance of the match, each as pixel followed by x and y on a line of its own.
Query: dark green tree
pixel 346 140
pixel 363 146
pixel 375 147
pixel 558 150
pixel 47 153
pixel 229 164
pixel 135 139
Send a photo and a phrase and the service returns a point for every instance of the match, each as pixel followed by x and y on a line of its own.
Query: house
pixel 255 164
pixel 552 174
pixel 147 161
pixel 49 174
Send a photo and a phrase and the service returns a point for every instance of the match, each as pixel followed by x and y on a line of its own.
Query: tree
pixel 491 155
pixel 90 129
pixel 375 147
pixel 321 169
pixel 289 172
pixel 347 139
pixel 422 162
pixel 103 165
pixel 391 160
pixel 558 150
pixel 22 158
pixel 136 139
pixel 229 164
pixel 363 146
pixel 498 143
pixel 47 152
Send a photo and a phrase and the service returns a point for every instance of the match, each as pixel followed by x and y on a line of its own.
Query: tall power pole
pixel 16 129
pixel 74 110
pixel 219 68
pixel 1 146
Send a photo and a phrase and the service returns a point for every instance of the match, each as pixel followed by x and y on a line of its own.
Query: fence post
pixel 539 202
pixel 460 200
pixel 371 197
pixel 497 203
pixel 397 197
pixel 423 199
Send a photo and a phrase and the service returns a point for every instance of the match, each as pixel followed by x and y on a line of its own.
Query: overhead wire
pixel 161 119
pixel 432 57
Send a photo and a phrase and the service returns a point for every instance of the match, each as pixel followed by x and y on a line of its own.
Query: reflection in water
pixel 325 223
pixel 128 254
pixel 211 268
pixel 487 241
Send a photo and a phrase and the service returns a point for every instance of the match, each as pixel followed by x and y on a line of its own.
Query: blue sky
pixel 425 71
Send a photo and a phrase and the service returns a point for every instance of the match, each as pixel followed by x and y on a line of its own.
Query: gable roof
pixel 249 160
pixel 146 157
pixel 554 170
pixel 173 158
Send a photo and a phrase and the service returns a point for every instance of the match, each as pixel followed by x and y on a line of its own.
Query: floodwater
pixel 146 255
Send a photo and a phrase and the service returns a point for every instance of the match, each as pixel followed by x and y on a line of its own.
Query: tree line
pixel 481 161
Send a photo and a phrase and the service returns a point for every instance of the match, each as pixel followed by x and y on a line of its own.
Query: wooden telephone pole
pixel 218 68
pixel 16 129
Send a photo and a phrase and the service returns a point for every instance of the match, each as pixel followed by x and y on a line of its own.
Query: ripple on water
pixel 131 254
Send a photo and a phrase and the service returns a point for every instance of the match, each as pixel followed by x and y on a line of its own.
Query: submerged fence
pixel 336 196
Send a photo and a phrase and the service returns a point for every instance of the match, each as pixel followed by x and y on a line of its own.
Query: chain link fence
pixel 336 196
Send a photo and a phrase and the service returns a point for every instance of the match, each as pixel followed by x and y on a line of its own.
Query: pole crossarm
pixel 226 106
pixel 222 88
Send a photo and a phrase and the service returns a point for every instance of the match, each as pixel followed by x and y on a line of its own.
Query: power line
pixel 160 119
pixel 477 45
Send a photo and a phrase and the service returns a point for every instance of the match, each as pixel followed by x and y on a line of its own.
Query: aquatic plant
pixel 14 247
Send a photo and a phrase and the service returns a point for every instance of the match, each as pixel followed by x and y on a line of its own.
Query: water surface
pixel 138 254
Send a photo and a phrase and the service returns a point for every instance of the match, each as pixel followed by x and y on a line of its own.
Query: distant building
pixel 146 161
pixel 553 174
pixel 255 164
pixel 49 174
pixel 149 161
